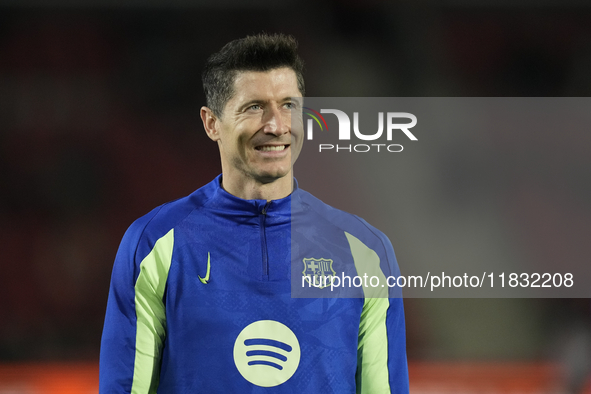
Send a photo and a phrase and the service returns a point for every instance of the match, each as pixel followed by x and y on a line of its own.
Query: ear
pixel 210 123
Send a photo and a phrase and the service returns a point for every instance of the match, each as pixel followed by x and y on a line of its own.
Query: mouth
pixel 271 148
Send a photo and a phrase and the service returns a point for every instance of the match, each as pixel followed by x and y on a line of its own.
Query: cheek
pixel 236 149
pixel 296 148
pixel 242 137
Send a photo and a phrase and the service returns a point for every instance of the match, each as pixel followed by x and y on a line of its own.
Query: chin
pixel 272 176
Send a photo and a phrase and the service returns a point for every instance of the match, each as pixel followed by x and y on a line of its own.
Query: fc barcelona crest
pixel 318 272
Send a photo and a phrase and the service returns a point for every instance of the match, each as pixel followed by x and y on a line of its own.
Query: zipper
pixel 263 217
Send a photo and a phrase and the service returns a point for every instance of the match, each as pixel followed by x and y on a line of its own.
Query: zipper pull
pixel 264 211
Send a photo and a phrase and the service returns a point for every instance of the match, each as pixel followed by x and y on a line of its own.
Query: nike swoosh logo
pixel 206 279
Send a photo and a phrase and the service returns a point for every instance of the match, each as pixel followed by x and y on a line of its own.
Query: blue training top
pixel 201 301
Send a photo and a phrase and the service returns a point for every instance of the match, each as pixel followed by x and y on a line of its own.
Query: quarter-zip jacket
pixel 201 301
pixel 263 215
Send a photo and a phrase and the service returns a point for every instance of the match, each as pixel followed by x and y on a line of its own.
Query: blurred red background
pixel 99 123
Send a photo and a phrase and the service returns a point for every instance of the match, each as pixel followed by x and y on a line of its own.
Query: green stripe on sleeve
pixel 367 262
pixel 151 315
pixel 372 349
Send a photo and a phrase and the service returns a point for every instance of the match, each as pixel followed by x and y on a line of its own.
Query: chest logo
pixel 206 279
pixel 318 272
pixel 267 353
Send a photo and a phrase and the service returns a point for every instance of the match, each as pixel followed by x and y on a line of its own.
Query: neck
pixel 253 189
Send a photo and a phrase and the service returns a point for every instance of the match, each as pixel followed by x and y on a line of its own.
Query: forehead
pixel 275 84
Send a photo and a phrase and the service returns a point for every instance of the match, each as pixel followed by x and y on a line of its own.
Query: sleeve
pixel 135 322
pixel 381 356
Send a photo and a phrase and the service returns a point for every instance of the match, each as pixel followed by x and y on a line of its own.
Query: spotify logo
pixel 267 353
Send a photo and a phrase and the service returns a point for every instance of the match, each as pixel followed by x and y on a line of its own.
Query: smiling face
pixel 257 143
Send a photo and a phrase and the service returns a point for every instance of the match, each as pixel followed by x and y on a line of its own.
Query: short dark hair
pixel 262 52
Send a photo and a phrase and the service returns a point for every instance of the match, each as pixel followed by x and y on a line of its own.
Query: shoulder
pixel 352 224
pixel 332 229
pixel 146 230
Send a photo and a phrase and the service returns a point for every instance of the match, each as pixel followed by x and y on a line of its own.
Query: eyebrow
pixel 262 101
pixel 251 102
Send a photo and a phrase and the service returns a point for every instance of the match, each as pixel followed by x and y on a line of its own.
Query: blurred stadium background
pixel 99 123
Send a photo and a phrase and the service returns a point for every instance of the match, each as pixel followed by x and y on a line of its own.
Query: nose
pixel 276 121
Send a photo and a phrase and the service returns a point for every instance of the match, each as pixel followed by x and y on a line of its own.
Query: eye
pixel 255 107
pixel 290 105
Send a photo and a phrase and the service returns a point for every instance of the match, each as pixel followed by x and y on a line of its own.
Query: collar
pixel 221 199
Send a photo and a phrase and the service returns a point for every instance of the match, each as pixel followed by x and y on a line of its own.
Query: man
pixel 200 298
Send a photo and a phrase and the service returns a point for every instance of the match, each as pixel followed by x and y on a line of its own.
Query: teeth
pixel 272 148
